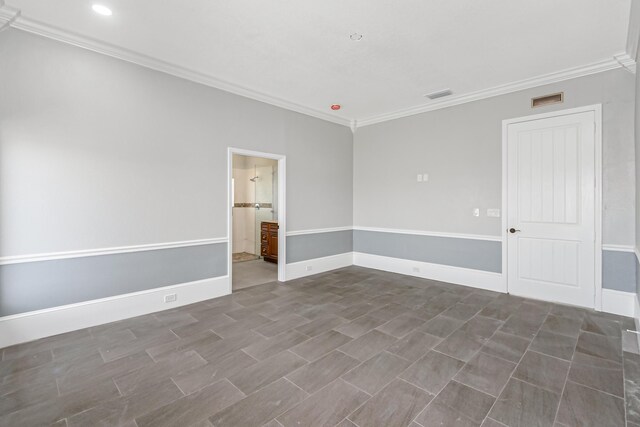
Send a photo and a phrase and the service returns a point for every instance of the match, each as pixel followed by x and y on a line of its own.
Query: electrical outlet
pixel 476 212
pixel 425 177
pixel 419 177
pixel 170 298
pixel 309 268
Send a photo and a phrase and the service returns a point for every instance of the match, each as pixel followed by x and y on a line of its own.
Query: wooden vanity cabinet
pixel 269 241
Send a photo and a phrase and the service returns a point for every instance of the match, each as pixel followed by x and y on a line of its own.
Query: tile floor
pixel 352 347
pixel 252 273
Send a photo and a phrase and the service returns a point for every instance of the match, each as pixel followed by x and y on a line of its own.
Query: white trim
pixel 299 269
pixel 443 273
pixel 33 325
pixel 42 29
pixel 282 208
pixel 618 302
pixel 633 34
pixel 18 259
pixel 597 109
pixel 615 62
pixel 318 230
pixel 618 248
pixel 431 233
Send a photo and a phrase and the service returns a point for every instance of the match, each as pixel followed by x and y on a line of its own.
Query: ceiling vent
pixel 541 101
pixel 439 94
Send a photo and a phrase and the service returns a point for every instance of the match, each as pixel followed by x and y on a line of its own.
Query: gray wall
pixel 467 253
pixel 97 153
pixel 318 245
pixel 460 148
pixel 37 285
pixel 619 271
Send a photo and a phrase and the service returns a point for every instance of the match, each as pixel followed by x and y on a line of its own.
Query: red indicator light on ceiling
pixel 335 107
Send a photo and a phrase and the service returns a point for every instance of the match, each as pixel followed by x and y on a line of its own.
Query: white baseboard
pixel 318 265
pixel 619 302
pixel 443 273
pixel 33 325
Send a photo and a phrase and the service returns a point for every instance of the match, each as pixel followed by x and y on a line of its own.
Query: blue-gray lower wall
pixel 619 270
pixel 483 255
pixel 317 245
pixel 44 284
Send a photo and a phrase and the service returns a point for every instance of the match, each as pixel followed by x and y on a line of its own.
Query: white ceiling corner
pixel 297 55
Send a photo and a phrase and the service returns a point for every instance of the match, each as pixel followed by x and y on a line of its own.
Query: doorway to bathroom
pixel 256 218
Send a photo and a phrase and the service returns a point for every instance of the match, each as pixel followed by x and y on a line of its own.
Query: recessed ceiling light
pixel 102 10
pixel 355 37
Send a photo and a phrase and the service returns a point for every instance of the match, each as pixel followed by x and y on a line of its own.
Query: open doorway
pixel 255 218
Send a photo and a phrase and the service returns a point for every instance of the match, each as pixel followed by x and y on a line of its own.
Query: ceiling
pixel 298 53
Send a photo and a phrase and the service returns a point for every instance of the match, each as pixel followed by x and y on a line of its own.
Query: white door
pixel 551 208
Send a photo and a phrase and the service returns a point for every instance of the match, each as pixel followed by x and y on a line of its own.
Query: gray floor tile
pixel 260 407
pixel 433 371
pixel 177 366
pixel 194 407
pixel 460 345
pixel 317 374
pixel 582 406
pixel 368 345
pixel 524 405
pixel 486 373
pixel 320 325
pixel 562 325
pixel 400 325
pixel 542 371
pixel 441 326
pixel 600 346
pixel 272 346
pixel 440 415
pixel 414 346
pixel 281 325
pixel 470 403
pixel 319 346
pixel 325 408
pixel 376 372
pixel 360 326
pixel 601 326
pixel 556 345
pixel 216 370
pixel 506 346
pixel 123 410
pixel 462 311
pixel 267 371
pixel 601 374
pixel 394 406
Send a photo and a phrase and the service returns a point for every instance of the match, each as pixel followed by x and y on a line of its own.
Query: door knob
pixel 513 230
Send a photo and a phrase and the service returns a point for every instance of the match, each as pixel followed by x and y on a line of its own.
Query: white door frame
pixel 282 205
pixel 597 109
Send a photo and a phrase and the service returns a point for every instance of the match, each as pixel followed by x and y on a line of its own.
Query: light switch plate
pixel 493 213
pixel 419 177
pixel 425 177
pixel 476 212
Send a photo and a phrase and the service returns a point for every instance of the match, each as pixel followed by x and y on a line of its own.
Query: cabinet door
pixel 273 243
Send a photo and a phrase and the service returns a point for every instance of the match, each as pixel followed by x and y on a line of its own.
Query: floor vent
pixel 541 101
pixel 439 94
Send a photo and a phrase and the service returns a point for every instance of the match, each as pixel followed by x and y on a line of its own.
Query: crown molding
pixel 7 15
pixel 633 34
pixel 618 61
pixel 12 17
pixel 45 30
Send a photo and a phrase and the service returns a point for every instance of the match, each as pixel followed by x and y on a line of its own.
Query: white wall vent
pixel 439 94
pixel 541 101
